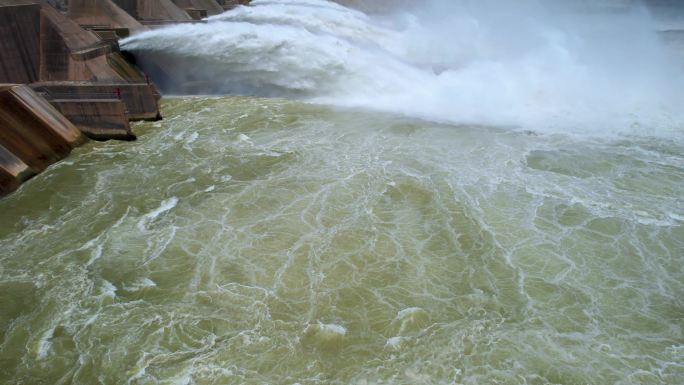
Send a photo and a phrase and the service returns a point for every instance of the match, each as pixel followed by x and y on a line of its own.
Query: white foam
pixel 332 329
pixel 244 138
pixel 409 312
pixel 160 244
pixel 184 379
pixel 140 284
pixel 326 335
pixel 95 255
pixel 44 343
pixel 411 320
pixel 165 206
pixel 394 342
pixel 534 64
pixel 137 374
pixel 108 289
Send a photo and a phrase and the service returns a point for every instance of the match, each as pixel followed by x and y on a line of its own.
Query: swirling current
pixel 247 240
pixel 254 240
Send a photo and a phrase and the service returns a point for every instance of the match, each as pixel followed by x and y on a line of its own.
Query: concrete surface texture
pixel 230 4
pixel 103 13
pixel 40 44
pixel 33 135
pixel 153 10
pixel 82 82
pixel 13 171
pixel 141 100
pixel 99 119
pixel 211 6
pixel 19 43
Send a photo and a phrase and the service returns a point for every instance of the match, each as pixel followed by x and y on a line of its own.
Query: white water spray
pixel 553 67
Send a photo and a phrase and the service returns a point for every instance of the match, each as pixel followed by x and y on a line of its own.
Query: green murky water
pixel 252 241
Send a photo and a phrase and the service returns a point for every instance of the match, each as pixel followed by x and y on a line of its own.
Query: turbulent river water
pixel 252 240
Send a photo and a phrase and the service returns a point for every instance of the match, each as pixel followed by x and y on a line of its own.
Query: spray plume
pixel 594 68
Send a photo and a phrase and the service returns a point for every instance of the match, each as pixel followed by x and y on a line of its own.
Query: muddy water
pixel 257 241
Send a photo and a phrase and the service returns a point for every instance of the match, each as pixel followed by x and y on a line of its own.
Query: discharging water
pixel 249 240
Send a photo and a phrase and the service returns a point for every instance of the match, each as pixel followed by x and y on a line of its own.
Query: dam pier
pixel 64 79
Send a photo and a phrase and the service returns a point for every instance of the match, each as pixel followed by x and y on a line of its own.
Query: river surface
pixel 266 241
pixel 458 194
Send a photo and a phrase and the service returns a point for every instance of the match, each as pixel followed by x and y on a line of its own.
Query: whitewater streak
pixel 247 240
pixel 541 67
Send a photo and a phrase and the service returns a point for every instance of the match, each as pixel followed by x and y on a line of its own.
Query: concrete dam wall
pixel 102 13
pixel 63 77
pixel 20 43
pixel 62 82
pixel 33 135
pixel 210 6
pixel 150 11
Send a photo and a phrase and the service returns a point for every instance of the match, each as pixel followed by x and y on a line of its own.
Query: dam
pixel 80 73
pixel 454 193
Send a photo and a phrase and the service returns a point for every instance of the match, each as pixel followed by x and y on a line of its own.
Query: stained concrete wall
pixel 102 12
pixel 141 100
pixel 99 119
pixel 129 6
pixel 230 4
pixel 33 135
pixel 211 6
pixel 38 43
pixel 153 10
pixel 161 10
pixel 127 71
pixel 19 43
pixel 68 52
pixel 13 171
pixel 61 51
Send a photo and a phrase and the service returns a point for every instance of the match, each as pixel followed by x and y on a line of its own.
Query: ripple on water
pixel 274 241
